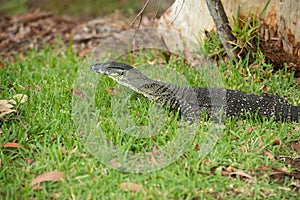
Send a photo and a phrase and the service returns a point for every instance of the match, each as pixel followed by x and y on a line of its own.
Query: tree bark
pixel 279 31
pixel 219 16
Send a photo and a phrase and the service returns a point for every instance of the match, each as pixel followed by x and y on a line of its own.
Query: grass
pixel 48 130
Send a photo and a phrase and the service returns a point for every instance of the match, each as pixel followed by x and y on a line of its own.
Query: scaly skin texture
pixel 191 102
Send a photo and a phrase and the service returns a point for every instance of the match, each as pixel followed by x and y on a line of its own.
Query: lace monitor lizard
pixel 192 101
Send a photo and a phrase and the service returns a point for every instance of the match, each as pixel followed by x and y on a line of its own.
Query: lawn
pixel 243 163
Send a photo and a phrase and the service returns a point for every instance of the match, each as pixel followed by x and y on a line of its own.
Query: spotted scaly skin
pixel 191 102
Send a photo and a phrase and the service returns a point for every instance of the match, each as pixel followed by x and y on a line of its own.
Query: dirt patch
pixel 274 52
pixel 20 33
pixel 33 29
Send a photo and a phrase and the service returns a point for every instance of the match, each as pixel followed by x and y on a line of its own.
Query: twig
pixel 53 139
pixel 16 118
pixel 140 14
pixel 156 12
pixel 219 16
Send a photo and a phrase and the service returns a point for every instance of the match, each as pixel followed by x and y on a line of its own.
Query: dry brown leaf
pixel 11 145
pixel 277 141
pixel 229 169
pixel 249 130
pixel 264 89
pixel 28 160
pixel 3 113
pixel 48 176
pixel 63 150
pixel 21 98
pixel 129 186
pixel 241 191
pixel 6 106
pixel 73 151
pixel 264 168
pixel 270 156
pixel 111 91
pixel 256 150
pixel 84 52
pixel 3 102
pixel 296 146
pixel 78 93
pixel 153 153
pixel 12 102
pixel 261 144
pixel 34 88
pixel 113 163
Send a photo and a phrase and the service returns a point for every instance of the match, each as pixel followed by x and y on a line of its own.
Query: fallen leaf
pixel 6 105
pixel 296 146
pixel 229 169
pixel 264 89
pixel 11 145
pixel 264 168
pixel 37 187
pixel 113 163
pixel 28 160
pixel 249 130
pixel 261 144
pixel 84 52
pixel 277 141
pixel 269 155
pixel 111 91
pixel 153 153
pixel 21 98
pixel 3 102
pixel 78 93
pixel 48 176
pixel 256 150
pixel 34 88
pixel 3 113
pixel 73 151
pixel 63 150
pixel 12 102
pixel 129 186
pixel 5 109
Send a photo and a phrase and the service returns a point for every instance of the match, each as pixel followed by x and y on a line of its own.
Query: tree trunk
pixel 280 24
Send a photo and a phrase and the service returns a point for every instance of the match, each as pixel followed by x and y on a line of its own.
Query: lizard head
pixel 112 69
pixel 115 70
pixel 122 73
